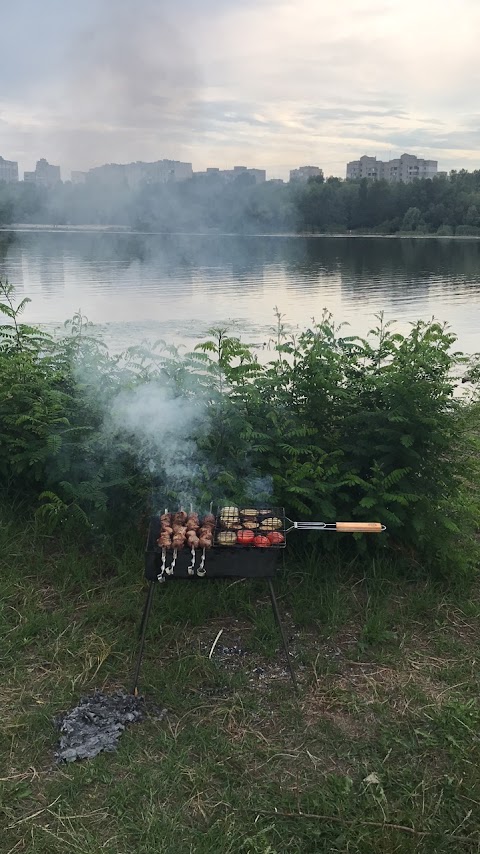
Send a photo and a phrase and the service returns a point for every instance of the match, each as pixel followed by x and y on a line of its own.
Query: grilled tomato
pixel 275 538
pixel 262 542
pixel 245 538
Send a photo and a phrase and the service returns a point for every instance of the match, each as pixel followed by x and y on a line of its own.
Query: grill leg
pixel 142 632
pixel 276 614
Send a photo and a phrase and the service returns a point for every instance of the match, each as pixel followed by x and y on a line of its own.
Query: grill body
pixel 221 561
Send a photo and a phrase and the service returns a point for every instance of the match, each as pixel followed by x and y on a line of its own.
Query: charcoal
pixel 96 724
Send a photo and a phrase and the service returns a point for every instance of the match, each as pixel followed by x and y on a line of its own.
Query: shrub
pixel 332 427
pixel 364 429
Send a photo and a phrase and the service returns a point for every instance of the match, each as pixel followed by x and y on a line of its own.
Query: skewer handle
pixel 359 527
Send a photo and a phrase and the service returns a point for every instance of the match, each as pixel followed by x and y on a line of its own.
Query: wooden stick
pixel 359 527
pixel 215 643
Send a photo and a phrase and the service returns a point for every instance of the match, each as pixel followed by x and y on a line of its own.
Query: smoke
pixel 131 82
pixel 165 430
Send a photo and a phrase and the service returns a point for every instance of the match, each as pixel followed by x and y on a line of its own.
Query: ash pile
pixel 96 724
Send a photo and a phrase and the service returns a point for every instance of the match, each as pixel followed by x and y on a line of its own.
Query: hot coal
pixel 97 723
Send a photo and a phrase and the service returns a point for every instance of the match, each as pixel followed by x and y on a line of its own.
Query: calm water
pixel 140 287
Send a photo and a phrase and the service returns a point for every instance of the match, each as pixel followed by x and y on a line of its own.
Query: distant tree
pixel 6 206
pixel 472 216
pixel 317 179
pixel 413 220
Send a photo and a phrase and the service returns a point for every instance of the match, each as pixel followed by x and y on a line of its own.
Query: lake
pixel 175 287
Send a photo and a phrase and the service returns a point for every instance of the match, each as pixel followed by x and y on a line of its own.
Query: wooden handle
pixel 359 527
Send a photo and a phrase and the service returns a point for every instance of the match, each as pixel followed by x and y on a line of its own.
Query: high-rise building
pixel 406 168
pixel 8 171
pixel 134 174
pixel 254 176
pixel 45 174
pixel 78 177
pixel 303 174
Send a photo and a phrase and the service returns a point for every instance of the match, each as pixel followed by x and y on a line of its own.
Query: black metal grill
pixel 232 560
pixel 221 561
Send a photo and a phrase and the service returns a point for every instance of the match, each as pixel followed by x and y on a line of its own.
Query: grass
pixel 379 754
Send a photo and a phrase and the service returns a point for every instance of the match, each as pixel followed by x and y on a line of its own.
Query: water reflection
pixel 175 287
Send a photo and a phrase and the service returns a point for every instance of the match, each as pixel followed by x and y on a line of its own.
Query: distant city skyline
pixel 286 175
pixel 408 167
pixel 274 83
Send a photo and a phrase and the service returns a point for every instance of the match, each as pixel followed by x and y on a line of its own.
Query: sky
pixel 260 83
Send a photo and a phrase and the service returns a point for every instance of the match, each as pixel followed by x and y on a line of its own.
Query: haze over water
pixel 138 287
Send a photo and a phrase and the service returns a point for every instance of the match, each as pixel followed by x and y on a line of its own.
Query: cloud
pixel 268 82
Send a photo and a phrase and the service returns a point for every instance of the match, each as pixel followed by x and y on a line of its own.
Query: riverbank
pixel 119 229
pixel 379 752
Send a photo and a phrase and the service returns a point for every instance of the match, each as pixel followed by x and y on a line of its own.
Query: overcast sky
pixel 261 83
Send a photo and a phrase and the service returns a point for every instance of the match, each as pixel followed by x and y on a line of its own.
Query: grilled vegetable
pixel 275 538
pixel 250 526
pixel 249 512
pixel 245 538
pixel 229 511
pixel 228 515
pixel 261 542
pixel 227 538
pixel 271 524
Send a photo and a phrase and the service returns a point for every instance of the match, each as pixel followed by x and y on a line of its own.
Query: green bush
pixel 362 430
pixel 333 427
pixel 54 454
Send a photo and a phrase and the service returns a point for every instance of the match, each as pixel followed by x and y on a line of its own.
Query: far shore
pixel 124 229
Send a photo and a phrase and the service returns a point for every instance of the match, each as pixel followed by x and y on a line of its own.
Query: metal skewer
pixel 172 565
pixel 201 571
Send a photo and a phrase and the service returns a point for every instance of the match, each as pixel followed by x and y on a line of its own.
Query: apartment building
pixel 135 174
pixel 8 171
pixel 45 175
pixel 303 174
pixel 259 176
pixel 406 168
pixel 78 177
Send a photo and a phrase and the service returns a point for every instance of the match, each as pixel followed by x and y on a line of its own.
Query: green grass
pixel 383 739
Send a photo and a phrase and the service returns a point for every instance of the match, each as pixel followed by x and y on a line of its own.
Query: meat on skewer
pixel 179 529
pixel 166 529
pixel 205 531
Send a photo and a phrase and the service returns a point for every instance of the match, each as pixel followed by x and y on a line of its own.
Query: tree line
pixel 444 205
